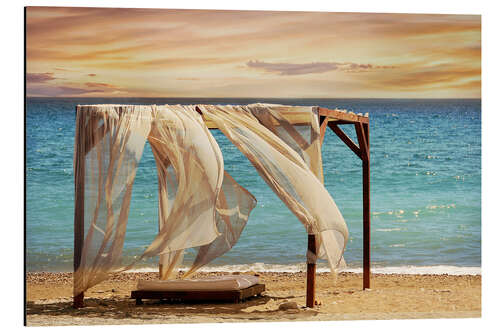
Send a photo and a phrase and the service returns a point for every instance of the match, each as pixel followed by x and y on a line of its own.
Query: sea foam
pixel 296 268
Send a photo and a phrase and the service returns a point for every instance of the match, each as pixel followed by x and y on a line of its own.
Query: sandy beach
pixel 392 296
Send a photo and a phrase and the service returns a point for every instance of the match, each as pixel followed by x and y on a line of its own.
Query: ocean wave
pixel 441 206
pixel 401 212
pixel 388 229
pixel 323 268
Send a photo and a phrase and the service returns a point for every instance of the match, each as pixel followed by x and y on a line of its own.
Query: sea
pixel 425 189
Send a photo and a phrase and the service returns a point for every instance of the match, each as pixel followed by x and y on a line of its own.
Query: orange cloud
pixel 60 91
pixel 39 77
pixel 100 85
pixel 313 67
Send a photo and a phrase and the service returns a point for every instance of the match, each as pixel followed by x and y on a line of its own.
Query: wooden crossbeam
pixel 343 115
pixel 336 116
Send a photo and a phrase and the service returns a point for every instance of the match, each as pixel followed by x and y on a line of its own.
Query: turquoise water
pixel 425 183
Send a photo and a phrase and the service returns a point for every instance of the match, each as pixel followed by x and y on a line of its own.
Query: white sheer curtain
pixel 200 205
pixel 111 140
pixel 252 129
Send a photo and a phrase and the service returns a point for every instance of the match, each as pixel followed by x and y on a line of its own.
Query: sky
pixel 113 52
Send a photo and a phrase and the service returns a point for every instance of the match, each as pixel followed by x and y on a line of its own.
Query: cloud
pixel 92 74
pixel 101 85
pixel 39 77
pixel 293 69
pixel 76 91
pixel 356 68
pixel 425 78
pixel 59 91
pixel 474 84
pixel 73 89
pixel 313 67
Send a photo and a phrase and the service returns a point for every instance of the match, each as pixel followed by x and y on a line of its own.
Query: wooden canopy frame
pixel 331 118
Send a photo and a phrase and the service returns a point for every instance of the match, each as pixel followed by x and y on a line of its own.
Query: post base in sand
pixel 311 272
pixel 78 301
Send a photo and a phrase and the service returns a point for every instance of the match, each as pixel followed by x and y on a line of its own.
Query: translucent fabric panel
pixel 234 205
pixel 284 170
pixel 298 127
pixel 108 146
pixel 180 138
pixel 195 195
pixel 199 204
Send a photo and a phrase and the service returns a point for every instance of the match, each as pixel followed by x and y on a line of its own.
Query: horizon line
pixel 201 97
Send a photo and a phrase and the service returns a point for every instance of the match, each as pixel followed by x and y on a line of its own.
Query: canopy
pixel 200 205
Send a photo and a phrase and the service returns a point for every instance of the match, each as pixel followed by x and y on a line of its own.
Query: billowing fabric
pixel 180 139
pixel 191 176
pixel 200 205
pixel 298 127
pixel 108 146
pixel 233 209
pixel 285 170
pixel 194 209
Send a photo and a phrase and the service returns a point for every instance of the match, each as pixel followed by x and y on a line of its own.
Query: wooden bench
pixel 233 296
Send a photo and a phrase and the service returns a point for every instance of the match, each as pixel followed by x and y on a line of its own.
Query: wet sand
pixel 392 296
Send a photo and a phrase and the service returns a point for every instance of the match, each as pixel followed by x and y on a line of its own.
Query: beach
pixel 341 297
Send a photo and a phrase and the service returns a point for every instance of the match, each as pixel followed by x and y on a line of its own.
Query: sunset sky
pixel 98 52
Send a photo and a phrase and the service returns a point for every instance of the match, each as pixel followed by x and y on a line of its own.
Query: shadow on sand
pixel 125 308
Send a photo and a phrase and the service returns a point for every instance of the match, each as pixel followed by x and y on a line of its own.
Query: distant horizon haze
pixel 267 98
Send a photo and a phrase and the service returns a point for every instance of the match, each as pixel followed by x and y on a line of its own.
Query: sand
pixel 392 296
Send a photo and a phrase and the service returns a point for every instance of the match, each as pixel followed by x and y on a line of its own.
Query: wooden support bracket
pixel 346 139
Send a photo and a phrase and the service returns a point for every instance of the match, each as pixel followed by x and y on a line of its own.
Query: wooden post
pixel 311 238
pixel 79 211
pixel 160 257
pixel 311 271
pixel 366 210
pixel 363 134
pixel 323 122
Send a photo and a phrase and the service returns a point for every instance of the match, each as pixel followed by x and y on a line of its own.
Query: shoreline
pixel 324 268
pixel 321 268
pixel 341 297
